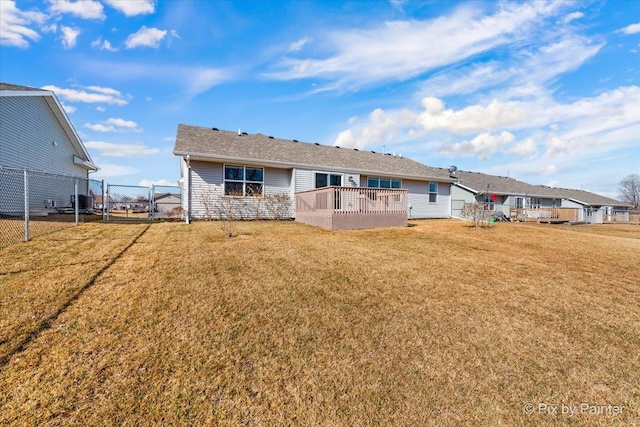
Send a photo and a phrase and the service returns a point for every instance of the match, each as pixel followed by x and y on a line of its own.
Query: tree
pixel 629 189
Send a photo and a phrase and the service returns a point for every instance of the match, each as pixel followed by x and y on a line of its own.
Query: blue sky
pixel 547 92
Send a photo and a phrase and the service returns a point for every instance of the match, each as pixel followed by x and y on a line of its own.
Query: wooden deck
pixel 546 215
pixel 342 208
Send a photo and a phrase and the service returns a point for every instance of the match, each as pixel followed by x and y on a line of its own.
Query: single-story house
pixel 592 207
pixel 221 166
pixel 37 135
pixel 166 203
pixel 519 199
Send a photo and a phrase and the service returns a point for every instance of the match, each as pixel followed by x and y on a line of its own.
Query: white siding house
pixel 512 196
pixel 37 135
pixel 215 163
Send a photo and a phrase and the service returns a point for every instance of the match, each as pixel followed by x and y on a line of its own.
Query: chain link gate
pixel 166 202
pixel 128 203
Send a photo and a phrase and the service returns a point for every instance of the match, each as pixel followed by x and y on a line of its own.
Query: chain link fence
pixel 36 203
pixel 167 202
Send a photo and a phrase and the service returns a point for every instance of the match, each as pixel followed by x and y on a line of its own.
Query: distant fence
pixel 35 203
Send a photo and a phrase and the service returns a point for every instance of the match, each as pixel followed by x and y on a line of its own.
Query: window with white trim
pixel 535 203
pixel 247 181
pixel 433 192
pixel 328 179
pixel 377 182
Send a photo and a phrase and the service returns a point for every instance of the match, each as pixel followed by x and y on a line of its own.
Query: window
pixel 243 181
pixel 535 203
pixel 375 182
pixel 490 200
pixel 325 179
pixel 433 192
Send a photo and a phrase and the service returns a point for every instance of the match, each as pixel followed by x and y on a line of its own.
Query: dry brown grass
pixel 41 276
pixel 437 324
pixel 631 231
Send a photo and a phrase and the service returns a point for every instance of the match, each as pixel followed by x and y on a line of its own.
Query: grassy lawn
pixel 286 324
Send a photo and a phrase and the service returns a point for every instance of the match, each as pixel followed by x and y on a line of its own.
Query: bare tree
pixel 629 189
pixel 479 213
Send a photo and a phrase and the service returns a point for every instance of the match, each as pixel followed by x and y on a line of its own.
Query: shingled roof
pixel 582 196
pixel 217 145
pixel 9 86
pixel 481 183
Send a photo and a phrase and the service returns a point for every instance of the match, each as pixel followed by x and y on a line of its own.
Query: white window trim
pixel 243 181
pixel 341 175
pixel 384 177
pixel 429 192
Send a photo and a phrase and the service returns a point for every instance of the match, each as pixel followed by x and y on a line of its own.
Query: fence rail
pixel 352 207
pixel 33 203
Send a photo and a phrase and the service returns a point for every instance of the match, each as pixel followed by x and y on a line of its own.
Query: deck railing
pixel 546 214
pixel 352 207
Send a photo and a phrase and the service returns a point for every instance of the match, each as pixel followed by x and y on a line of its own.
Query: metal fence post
pixel 103 200
pixel 107 202
pixel 152 200
pixel 75 198
pixel 26 206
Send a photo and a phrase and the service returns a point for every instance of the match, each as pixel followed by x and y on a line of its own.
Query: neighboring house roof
pixel 481 183
pixel 216 145
pixel 163 196
pixel 83 158
pixel 583 197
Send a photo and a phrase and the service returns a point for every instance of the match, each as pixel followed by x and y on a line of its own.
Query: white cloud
pixel 108 170
pixel 103 95
pixel 396 50
pixel 572 16
pixel 631 29
pixel 527 72
pixel 14 25
pixel 101 108
pixel 114 125
pixel 299 44
pixel 482 146
pixel 585 127
pixel 86 9
pixel 103 45
pixel 69 36
pixel 525 148
pixel 109 149
pixel 68 108
pixel 195 79
pixel 132 8
pixel 149 183
pixel 471 119
pixel 145 37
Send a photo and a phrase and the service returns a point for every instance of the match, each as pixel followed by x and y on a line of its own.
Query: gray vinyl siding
pixel 28 130
pixel 418 193
pixel 459 198
pixel 207 186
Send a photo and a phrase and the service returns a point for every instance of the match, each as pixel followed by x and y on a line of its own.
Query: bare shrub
pixel 479 213
pixel 175 212
pixel 278 205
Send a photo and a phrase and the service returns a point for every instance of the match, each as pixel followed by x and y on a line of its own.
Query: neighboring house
pixel 533 202
pixel 224 163
pixel 592 208
pixel 166 203
pixel 36 134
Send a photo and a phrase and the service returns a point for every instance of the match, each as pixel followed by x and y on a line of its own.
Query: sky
pixel 545 92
